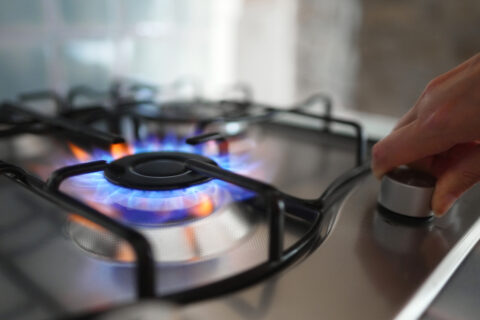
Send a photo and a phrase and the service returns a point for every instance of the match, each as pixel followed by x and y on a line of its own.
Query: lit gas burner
pixel 148 185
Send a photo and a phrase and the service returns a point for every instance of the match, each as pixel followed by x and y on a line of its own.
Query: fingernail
pixel 374 168
pixel 378 174
pixel 375 171
pixel 376 155
pixel 438 214
pixel 447 202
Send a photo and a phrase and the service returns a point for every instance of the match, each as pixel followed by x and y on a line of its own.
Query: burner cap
pixel 155 171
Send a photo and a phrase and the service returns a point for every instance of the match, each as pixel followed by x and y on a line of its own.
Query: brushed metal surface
pixel 369 266
pixel 459 298
pixel 364 269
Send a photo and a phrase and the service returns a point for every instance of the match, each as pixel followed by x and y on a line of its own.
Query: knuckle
pixel 431 86
pixel 474 62
pixel 476 59
pixel 465 180
pixel 377 151
pixel 430 90
pixel 435 122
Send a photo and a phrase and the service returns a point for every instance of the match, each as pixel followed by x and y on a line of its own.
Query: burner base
pixel 194 241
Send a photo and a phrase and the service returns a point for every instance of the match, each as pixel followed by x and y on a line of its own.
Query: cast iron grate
pixel 76 120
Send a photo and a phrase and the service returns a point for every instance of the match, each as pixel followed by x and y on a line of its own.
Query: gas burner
pixel 156 171
pixel 147 183
pixel 135 203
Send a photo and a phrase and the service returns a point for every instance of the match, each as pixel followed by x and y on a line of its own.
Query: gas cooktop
pixel 122 205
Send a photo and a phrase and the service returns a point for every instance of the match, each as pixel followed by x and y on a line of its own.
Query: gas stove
pixel 125 205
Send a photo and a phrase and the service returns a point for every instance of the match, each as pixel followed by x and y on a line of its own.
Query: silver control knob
pixel 407 192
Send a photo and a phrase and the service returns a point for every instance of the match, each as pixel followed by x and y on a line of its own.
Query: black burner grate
pixel 181 170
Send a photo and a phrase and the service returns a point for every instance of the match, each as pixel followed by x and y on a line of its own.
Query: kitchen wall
pixel 369 55
pixel 404 44
pixel 62 43
pixel 328 58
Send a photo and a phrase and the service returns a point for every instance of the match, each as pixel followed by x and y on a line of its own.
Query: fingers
pixel 406 119
pixel 445 115
pixel 437 164
pixel 451 73
pixel 406 145
pixel 460 177
pixel 411 115
pixel 425 165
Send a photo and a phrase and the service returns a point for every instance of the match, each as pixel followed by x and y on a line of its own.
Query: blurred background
pixel 371 56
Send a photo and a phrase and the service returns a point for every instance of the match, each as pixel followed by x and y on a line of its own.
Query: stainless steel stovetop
pixel 363 263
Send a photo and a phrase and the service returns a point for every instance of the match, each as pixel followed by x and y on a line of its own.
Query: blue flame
pixel 145 207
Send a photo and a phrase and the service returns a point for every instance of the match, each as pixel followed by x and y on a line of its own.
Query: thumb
pixel 457 179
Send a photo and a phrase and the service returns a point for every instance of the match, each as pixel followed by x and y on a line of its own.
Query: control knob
pixel 407 192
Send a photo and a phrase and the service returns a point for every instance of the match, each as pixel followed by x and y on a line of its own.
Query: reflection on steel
pixel 144 263
pixel 184 242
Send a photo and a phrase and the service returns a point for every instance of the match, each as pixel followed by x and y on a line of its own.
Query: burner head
pixel 155 171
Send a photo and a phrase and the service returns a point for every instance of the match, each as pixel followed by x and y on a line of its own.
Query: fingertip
pixel 438 212
pixel 376 171
pixel 377 174
pixel 443 203
pixel 377 155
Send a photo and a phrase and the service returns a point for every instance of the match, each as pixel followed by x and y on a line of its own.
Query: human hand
pixel 440 135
